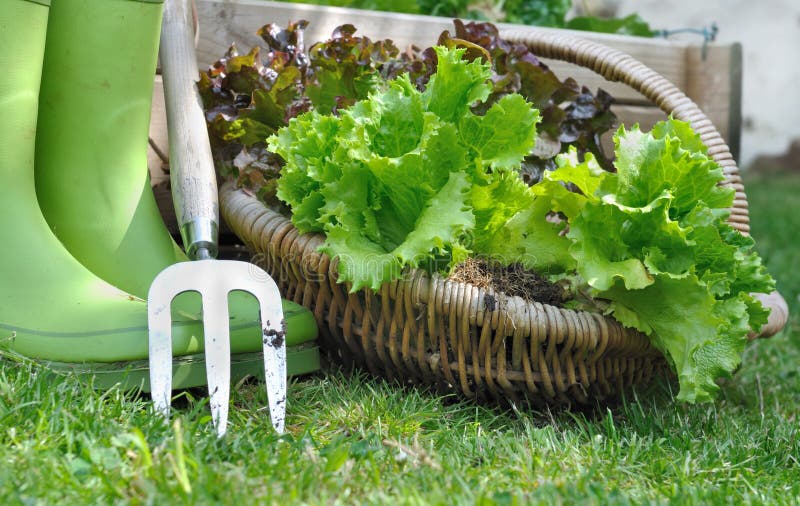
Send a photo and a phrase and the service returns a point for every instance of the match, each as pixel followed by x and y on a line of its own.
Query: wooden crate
pixel 710 75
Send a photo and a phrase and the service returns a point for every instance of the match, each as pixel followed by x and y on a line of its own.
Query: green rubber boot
pixel 91 158
pixel 91 162
pixel 51 308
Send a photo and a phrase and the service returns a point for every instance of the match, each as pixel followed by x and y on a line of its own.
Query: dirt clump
pixel 511 280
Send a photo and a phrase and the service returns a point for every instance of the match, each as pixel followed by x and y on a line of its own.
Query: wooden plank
pixel 714 82
pixel 223 22
pixel 159 177
pixel 645 116
pixel 158 135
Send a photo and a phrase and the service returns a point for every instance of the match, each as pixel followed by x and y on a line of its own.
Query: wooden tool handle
pixel 194 184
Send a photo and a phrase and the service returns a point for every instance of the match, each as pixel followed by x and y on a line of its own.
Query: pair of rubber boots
pixel 81 238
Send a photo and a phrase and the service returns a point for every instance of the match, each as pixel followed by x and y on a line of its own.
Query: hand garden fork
pixel 194 193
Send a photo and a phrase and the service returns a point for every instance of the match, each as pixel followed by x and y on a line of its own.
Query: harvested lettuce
pixel 389 181
pixel 653 241
pixel 408 179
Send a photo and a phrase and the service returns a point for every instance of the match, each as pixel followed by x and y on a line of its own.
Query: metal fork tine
pixel 254 280
pixel 275 377
pixel 159 321
pixel 214 280
pixel 218 355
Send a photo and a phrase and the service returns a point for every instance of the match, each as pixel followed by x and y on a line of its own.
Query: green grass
pixel 355 439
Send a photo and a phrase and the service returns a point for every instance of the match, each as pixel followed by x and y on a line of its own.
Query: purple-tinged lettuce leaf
pixel 247 97
pixel 346 68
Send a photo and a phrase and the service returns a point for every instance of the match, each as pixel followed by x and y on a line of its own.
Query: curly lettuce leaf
pixel 505 132
pixel 651 239
pixel 392 178
pixel 441 224
pixel 680 318
pixel 571 114
pixel 457 85
pixel 533 241
pixel 668 159
pixel 496 202
pixel 702 336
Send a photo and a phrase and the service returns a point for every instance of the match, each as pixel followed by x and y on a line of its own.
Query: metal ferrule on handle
pixel 200 238
pixel 194 184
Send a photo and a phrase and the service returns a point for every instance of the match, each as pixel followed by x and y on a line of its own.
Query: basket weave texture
pixel 434 331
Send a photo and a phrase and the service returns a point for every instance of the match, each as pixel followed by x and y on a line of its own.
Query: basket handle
pixel 617 66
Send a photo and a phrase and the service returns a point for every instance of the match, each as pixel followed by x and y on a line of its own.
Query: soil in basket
pixel 511 280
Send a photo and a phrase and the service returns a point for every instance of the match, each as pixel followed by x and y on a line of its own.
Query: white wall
pixel 769 31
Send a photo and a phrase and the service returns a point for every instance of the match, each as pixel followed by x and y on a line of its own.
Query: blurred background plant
pixel 590 15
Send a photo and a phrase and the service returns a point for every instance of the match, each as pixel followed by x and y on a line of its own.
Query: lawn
pixel 355 439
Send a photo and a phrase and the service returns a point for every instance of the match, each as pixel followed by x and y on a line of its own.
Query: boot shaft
pixel 23 27
pixel 91 159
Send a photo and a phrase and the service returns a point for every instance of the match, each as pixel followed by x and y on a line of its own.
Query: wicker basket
pixel 434 331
